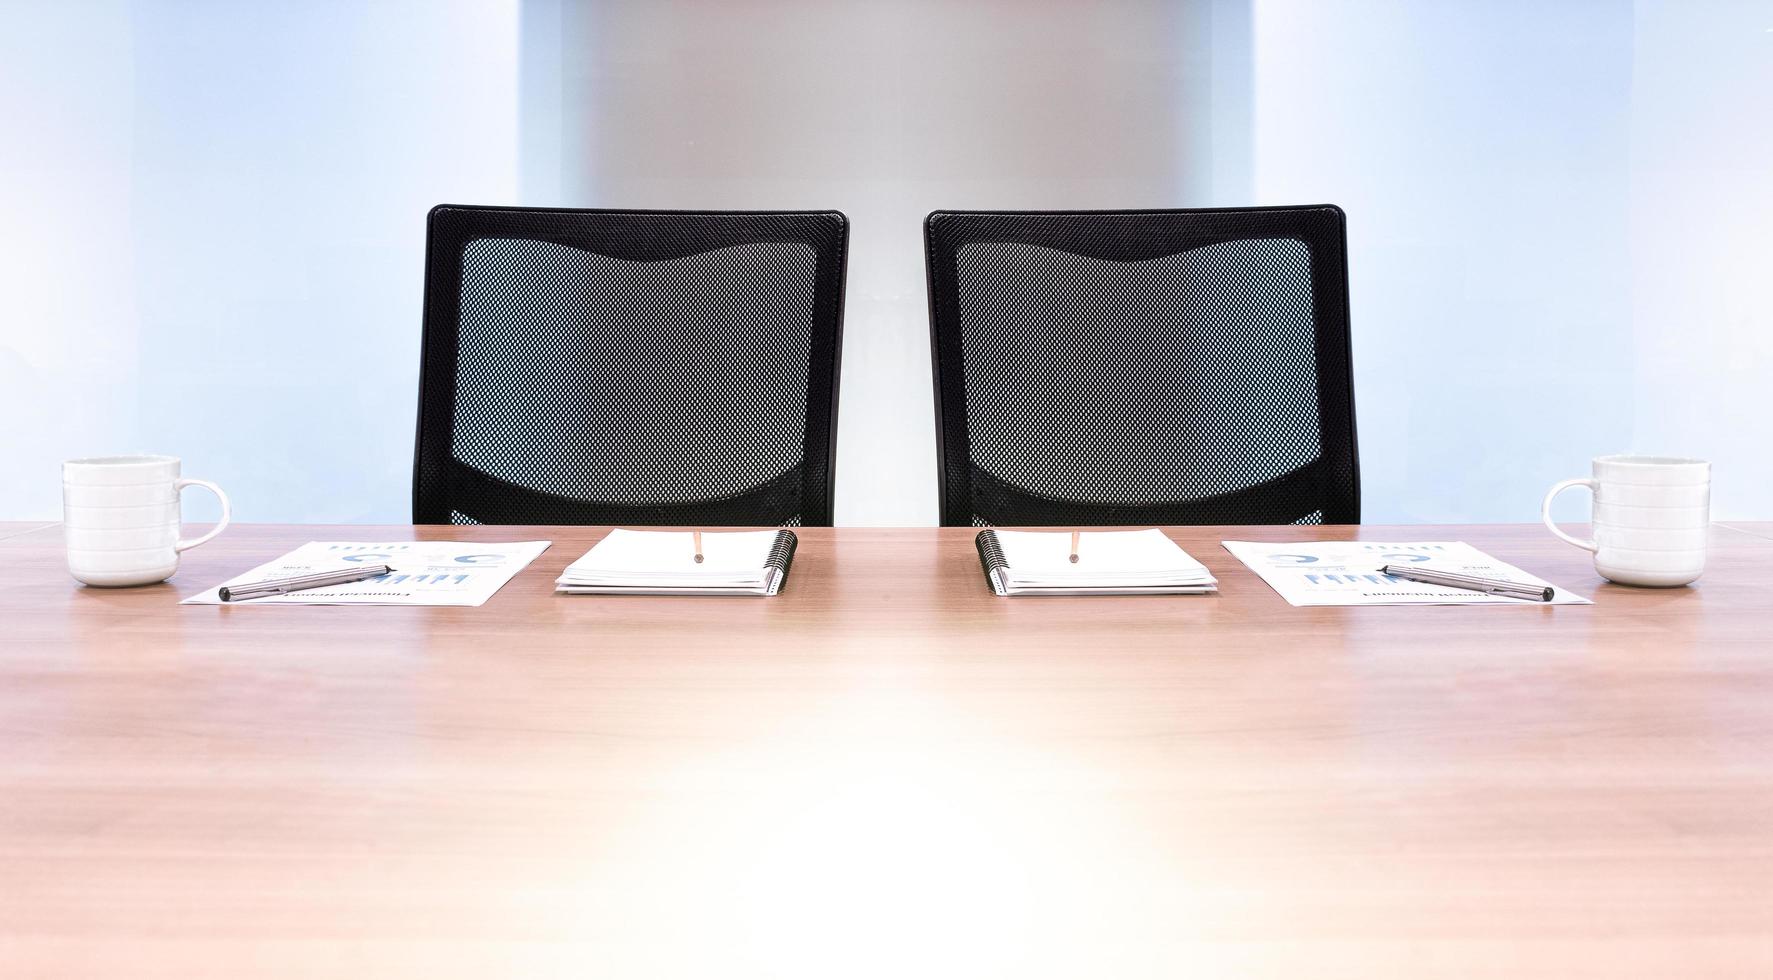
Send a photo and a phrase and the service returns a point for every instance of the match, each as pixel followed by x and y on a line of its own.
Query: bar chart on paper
pixel 424 573
pixel 1346 573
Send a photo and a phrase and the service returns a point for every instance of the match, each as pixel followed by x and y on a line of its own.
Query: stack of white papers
pixel 664 563
pixel 1108 563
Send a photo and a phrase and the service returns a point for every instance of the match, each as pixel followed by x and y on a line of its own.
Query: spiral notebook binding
pixel 782 553
pixel 990 552
pixel 997 569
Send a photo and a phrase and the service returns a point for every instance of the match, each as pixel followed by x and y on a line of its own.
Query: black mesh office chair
pixel 1143 367
pixel 629 367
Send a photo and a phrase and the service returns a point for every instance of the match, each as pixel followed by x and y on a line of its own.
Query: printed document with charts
pixel 1108 563
pixel 1346 573
pixel 426 573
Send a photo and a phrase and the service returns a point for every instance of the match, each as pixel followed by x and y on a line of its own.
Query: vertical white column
pixel 1701 207
pixel 68 321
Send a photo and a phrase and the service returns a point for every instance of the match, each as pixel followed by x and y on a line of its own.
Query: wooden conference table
pixel 886 772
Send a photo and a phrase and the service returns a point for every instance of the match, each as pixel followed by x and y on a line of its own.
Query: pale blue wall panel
pixel 215 211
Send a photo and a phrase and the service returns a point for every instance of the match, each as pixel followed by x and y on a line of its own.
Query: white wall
pixel 1556 234
pixel 211 213
pixel 1702 241
pixel 211 235
pixel 1502 163
pixel 69 330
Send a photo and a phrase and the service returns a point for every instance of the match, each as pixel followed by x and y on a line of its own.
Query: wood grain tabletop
pixel 886 771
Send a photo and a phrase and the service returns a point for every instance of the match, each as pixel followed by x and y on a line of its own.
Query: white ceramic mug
pixel 1652 515
pixel 120 515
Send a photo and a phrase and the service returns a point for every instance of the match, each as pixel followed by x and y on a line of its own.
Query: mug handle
pixel 1545 511
pixel 220 526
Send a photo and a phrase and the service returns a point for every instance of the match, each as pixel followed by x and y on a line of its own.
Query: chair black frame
pixel 625 234
pixel 1131 235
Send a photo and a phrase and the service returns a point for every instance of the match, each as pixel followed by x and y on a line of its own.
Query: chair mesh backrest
pixel 1143 367
pixel 629 367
